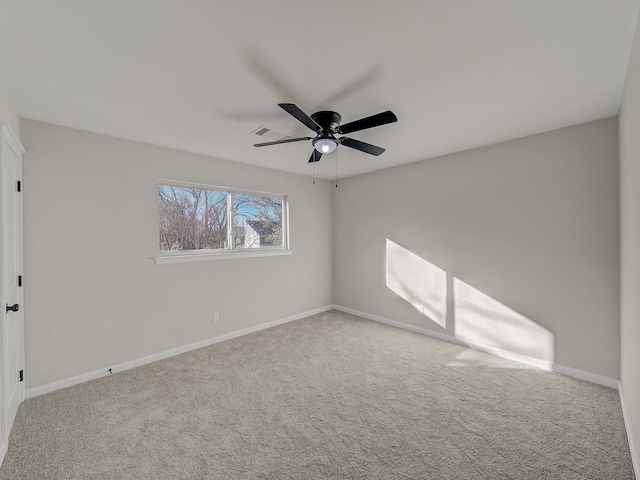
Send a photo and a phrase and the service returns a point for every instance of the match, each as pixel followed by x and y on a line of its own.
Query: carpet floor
pixel 331 396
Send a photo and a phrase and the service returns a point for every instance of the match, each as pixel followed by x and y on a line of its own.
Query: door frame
pixel 10 141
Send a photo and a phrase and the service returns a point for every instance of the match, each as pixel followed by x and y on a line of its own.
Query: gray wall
pixel 529 227
pixel 8 113
pixel 93 293
pixel 630 244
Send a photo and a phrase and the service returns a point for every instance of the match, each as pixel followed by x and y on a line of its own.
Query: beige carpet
pixel 331 396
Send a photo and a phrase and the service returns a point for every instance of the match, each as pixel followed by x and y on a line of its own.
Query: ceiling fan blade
pixel 278 142
pixel 293 110
pixel 368 122
pixel 315 156
pixel 362 146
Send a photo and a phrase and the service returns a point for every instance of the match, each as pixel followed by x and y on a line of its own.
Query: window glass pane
pixel 192 219
pixel 258 221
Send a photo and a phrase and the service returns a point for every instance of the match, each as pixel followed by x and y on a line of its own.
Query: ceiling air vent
pixel 268 133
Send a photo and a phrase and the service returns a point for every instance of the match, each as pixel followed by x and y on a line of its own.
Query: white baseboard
pixel 632 444
pixel 516 357
pixel 535 362
pixel 586 376
pixel 103 372
pixel 84 377
pixel 395 323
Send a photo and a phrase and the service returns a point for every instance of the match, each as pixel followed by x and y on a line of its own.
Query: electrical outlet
pixel 216 317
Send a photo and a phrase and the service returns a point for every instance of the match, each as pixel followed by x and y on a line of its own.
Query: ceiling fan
pixel 326 124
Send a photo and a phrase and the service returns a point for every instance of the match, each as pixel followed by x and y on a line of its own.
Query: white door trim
pixel 10 144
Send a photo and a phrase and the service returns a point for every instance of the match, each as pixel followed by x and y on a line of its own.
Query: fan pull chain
pixel 336 168
pixel 313 166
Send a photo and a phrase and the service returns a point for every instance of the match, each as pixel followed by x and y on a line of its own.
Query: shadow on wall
pixel 479 321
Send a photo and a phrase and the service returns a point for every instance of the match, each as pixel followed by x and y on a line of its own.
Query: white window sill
pixel 226 255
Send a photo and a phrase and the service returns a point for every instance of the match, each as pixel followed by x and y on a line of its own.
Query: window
pixel 257 221
pixel 198 220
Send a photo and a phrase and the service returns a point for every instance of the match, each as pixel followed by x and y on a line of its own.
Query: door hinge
pixel 21 375
pixel 19 185
pixel 19 280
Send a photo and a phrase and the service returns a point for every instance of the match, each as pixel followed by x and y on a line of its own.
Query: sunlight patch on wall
pixel 484 321
pixel 417 281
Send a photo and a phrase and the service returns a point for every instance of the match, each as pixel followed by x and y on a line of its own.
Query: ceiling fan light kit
pixel 326 124
pixel 325 145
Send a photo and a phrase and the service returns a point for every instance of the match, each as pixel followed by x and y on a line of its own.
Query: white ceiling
pixel 201 75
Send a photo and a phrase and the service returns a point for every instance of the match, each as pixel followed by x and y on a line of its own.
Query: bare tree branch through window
pixel 197 219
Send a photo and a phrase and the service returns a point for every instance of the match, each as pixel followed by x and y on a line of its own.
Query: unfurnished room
pixel 320 240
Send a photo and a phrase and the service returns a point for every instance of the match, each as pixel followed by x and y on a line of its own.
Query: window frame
pixel 180 256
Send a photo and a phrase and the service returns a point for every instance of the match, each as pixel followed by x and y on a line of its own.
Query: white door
pixel 12 312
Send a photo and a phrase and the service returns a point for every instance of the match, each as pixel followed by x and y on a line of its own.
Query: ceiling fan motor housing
pixel 327 119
